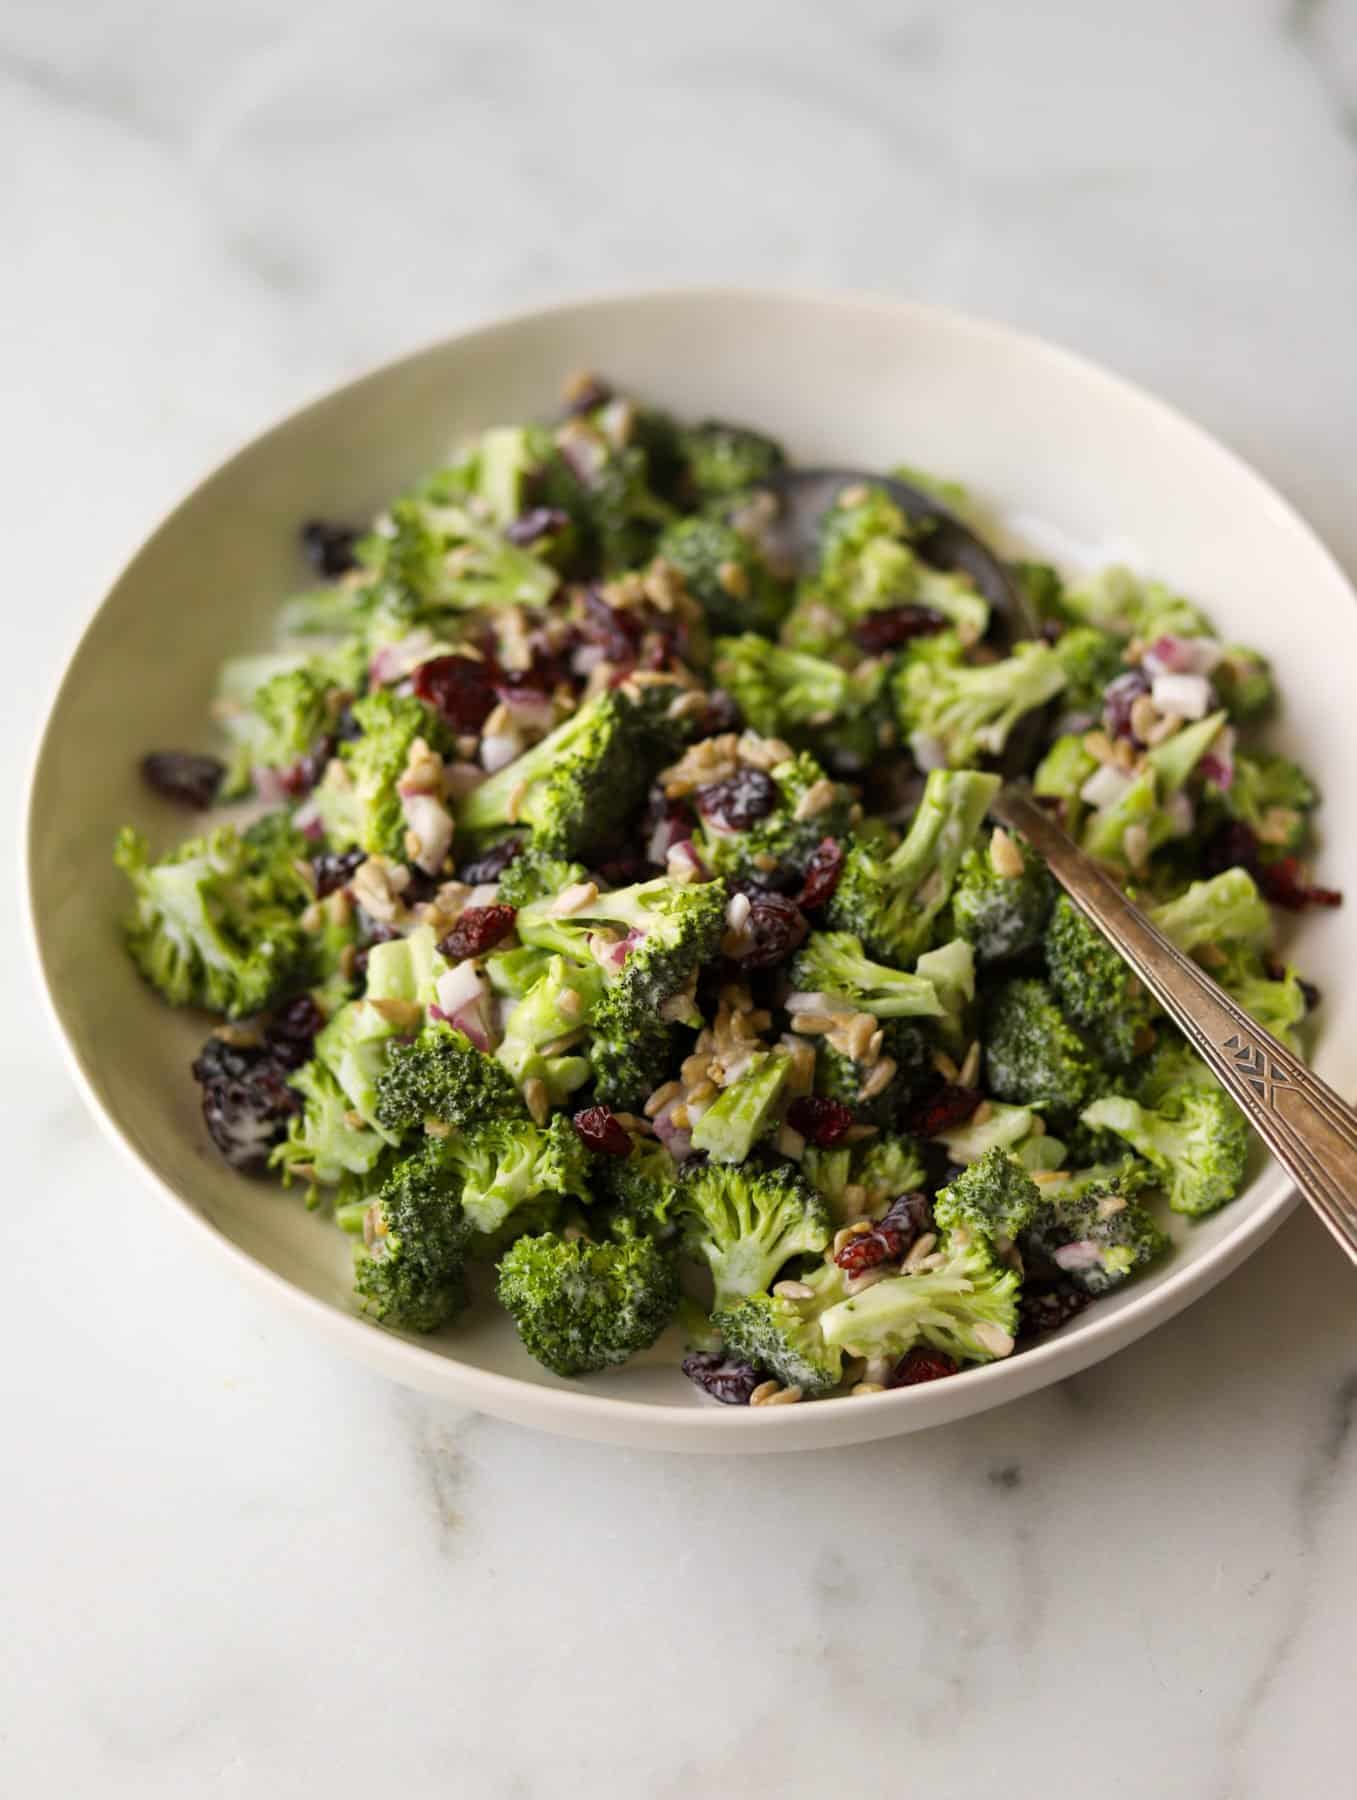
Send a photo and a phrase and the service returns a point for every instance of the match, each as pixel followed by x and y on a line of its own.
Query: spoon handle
pixel 1308 1128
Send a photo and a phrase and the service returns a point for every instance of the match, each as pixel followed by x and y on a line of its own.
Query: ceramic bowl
pixel 1067 458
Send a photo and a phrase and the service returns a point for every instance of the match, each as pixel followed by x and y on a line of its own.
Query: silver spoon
pixel 1308 1127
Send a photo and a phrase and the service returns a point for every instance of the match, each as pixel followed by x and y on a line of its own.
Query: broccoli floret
pixel 994 1198
pixel 723 460
pixel 1032 1055
pixel 861 1180
pixel 358 800
pixel 641 1190
pixel 1094 1233
pixel 1004 1127
pixel 214 924
pixel 866 562
pixel 951 969
pixel 835 713
pixel 891 902
pixel 967 1308
pixel 409 1269
pixel 547 1024
pixel 1197 1140
pixel 1169 1070
pixel 1273 796
pixel 1043 590
pixel 1118 601
pixel 1060 775
pixel 322 1145
pixel 513 1175
pixel 1095 988
pixel 441 1075
pixel 726 574
pixel 891 1081
pixel 1226 909
pixel 434 560
pixel 1243 680
pixel 743 1112
pixel 782 1336
pixel 535 874
pixel 961 713
pixel 746 1222
pixel 1276 1001
pixel 581 1306
pixel 1090 659
pixel 782 835
pixel 579 786
pixel 834 964
pixel 1001 914
pixel 288 718
pixel 604 480
pixel 1146 803
pixel 630 1054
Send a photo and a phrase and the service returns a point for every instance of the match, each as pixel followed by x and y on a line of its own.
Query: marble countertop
pixel 236 1565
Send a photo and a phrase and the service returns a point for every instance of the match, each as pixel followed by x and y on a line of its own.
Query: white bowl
pixel 1055 447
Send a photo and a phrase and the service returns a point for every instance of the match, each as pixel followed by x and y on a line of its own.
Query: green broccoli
pixel 1273 796
pixel 604 479
pixel 1226 909
pixel 1275 1001
pixel 1043 589
pixel 1118 601
pixel 1243 680
pixel 1032 1055
pixel 581 1306
pixel 786 836
pixel 725 572
pixel 860 1180
pixel 1197 1140
pixel 640 1191
pixel 781 1335
pixel 513 1175
pixel 892 1080
pixel 1096 1235
pixel 891 902
pixel 440 1075
pixel 956 715
pixel 288 718
pixel 967 1308
pixel 1091 659
pixel 1001 913
pixel 1005 1127
pixel 546 1027
pixel 438 560
pixel 722 460
pixel 742 1113
pixel 358 800
pixel 808 701
pixel 409 1269
pixel 1095 988
pixel 215 923
pixel 746 1222
pixel 993 1198
pixel 1146 803
pixel 1061 774
pixel 323 1144
pixel 834 964
pixel 536 874
pixel 579 786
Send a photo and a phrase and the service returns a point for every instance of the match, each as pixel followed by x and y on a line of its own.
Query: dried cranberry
pixel 329 548
pixel 616 630
pixel 920 1365
pixel 1282 882
pixel 1232 847
pixel 333 869
pixel 945 1107
pixel 488 868
pixel 1046 1307
pixel 293 1030
pixel 246 1101
pixel 1119 696
pixel 739 802
pixel 895 625
pixel 183 776
pixel 722 714
pixel 820 1122
pixel 622 870
pixel 893 1236
pixel 729 1382
pixel 823 868
pixel 303 774
pixel 537 522
pixel 459 688
pixel 774 928
pixel 602 1131
pixel 478 929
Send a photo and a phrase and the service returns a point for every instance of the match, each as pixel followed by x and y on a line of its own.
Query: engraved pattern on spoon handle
pixel 1310 1129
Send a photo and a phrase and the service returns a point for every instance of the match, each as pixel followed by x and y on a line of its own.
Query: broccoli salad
pixel 618 917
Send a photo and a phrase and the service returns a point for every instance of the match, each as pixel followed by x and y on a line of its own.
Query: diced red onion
pixel 677 1142
pixel 684 864
pixel 391 661
pixel 1084 1254
pixel 1170 655
pixel 1218 764
pixel 498 750
pixel 462 985
pixel 1106 786
pixel 1187 696
pixel 530 709
pixel 1182 813
pixel 428 819
pixel 461 779
pixel 268 784
pixel 929 752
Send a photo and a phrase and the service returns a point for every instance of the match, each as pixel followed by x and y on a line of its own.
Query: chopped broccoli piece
pixel 726 574
pixel 891 902
pixel 967 1308
pixel 1276 1002
pixel 742 1113
pixel 603 478
pixel 781 834
pixel 513 1175
pixel 641 1190
pixel 214 924
pixel 1116 600
pixel 1032 1055
pixel 1095 987
pixel 834 964
pixel 746 1222
pixel 1006 1127
pixel 440 1075
pixel 550 1014
pixel 994 1198
pixel 951 969
pixel 358 800
pixel 1095 1234
pixel 581 1306
pixel 724 460
pixel 322 1145
pixel 578 787
pixel 409 1268
pixel 289 717
pixel 884 1168
pixel 1170 1069
pixel 833 712
pixel 959 714
pixel 1243 680
pixel 1145 803
pixel 435 560
pixel 999 914
pixel 630 1054
pixel 844 1077
pixel 1272 796
pixel 1043 590
pixel 782 1336
pixel 1090 659
pixel 1197 1140
pixel 536 874
pixel 1060 775
pixel 1226 909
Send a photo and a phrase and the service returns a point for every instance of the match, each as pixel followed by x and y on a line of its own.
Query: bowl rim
pixel 586 1413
